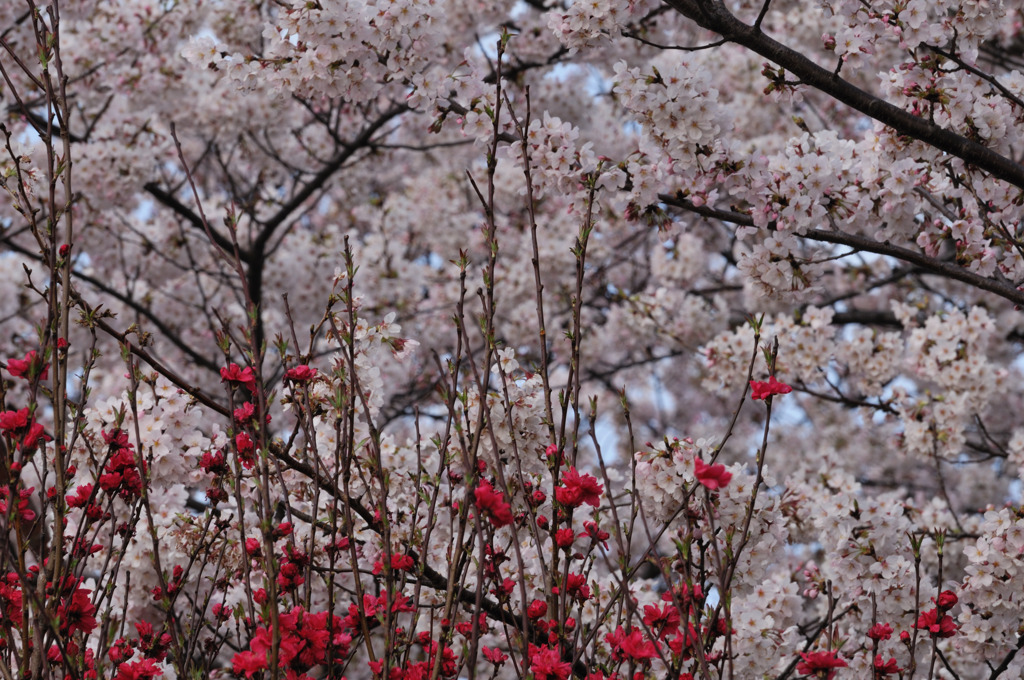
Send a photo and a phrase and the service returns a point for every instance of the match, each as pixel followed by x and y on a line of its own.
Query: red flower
pixel 110 482
pixel 712 476
pixel 492 504
pixel 372 606
pixel 77 613
pixel 14 420
pixel 506 587
pixel 663 622
pixel 880 631
pixel 244 443
pixel 578 489
pixel 637 648
pixel 822 664
pixel 243 376
pixel 885 668
pixel 121 652
pixel 32 437
pixel 546 664
pixel 245 413
pixel 305 641
pixel 398 563
pixel 301 373
pixel 80 497
pixel 630 645
pixel 564 538
pixel 763 390
pixel 152 645
pixel 53 655
pixel 11 600
pixel 576 586
pixel 29 368
pixel 245 446
pixel 684 642
pixel 144 669
pixel 537 609
pixel 20 424
pixel 947 600
pixel 214 463
pixel 220 612
pixel 495 656
pixel 24 495
pixel 122 476
pixel 289 578
pixel 595 533
pixel 248 663
pixel 116 438
pixel 938 625
pixel 283 529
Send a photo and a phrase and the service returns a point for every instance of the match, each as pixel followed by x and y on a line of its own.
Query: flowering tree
pixel 420 339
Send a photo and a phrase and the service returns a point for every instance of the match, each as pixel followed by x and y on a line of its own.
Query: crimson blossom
pixel 491 503
pixel 820 664
pixel 763 390
pixel 577 489
pixel 711 476
pixel 546 664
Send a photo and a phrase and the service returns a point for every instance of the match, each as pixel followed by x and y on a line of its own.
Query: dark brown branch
pixel 1005 663
pixel 682 48
pixel 713 16
pixel 867 317
pixel 93 316
pixel 168 200
pixel 258 251
pixel 168 333
pixel 949 270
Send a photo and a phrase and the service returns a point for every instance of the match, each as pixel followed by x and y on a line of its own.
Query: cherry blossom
pixel 412 338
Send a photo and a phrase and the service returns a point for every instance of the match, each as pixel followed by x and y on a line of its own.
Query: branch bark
pixel 258 250
pixel 949 270
pixel 713 16
pixel 169 200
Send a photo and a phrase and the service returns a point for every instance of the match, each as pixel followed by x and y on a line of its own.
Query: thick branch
pixel 168 199
pixel 712 15
pixel 258 251
pixel 949 270
pixel 321 178
pixel 168 333
pixel 194 391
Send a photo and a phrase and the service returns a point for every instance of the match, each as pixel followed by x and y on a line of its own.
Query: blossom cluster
pixel 438 338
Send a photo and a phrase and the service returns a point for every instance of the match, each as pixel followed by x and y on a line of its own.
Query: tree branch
pixel 168 200
pixel 258 251
pixel 949 270
pixel 713 16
